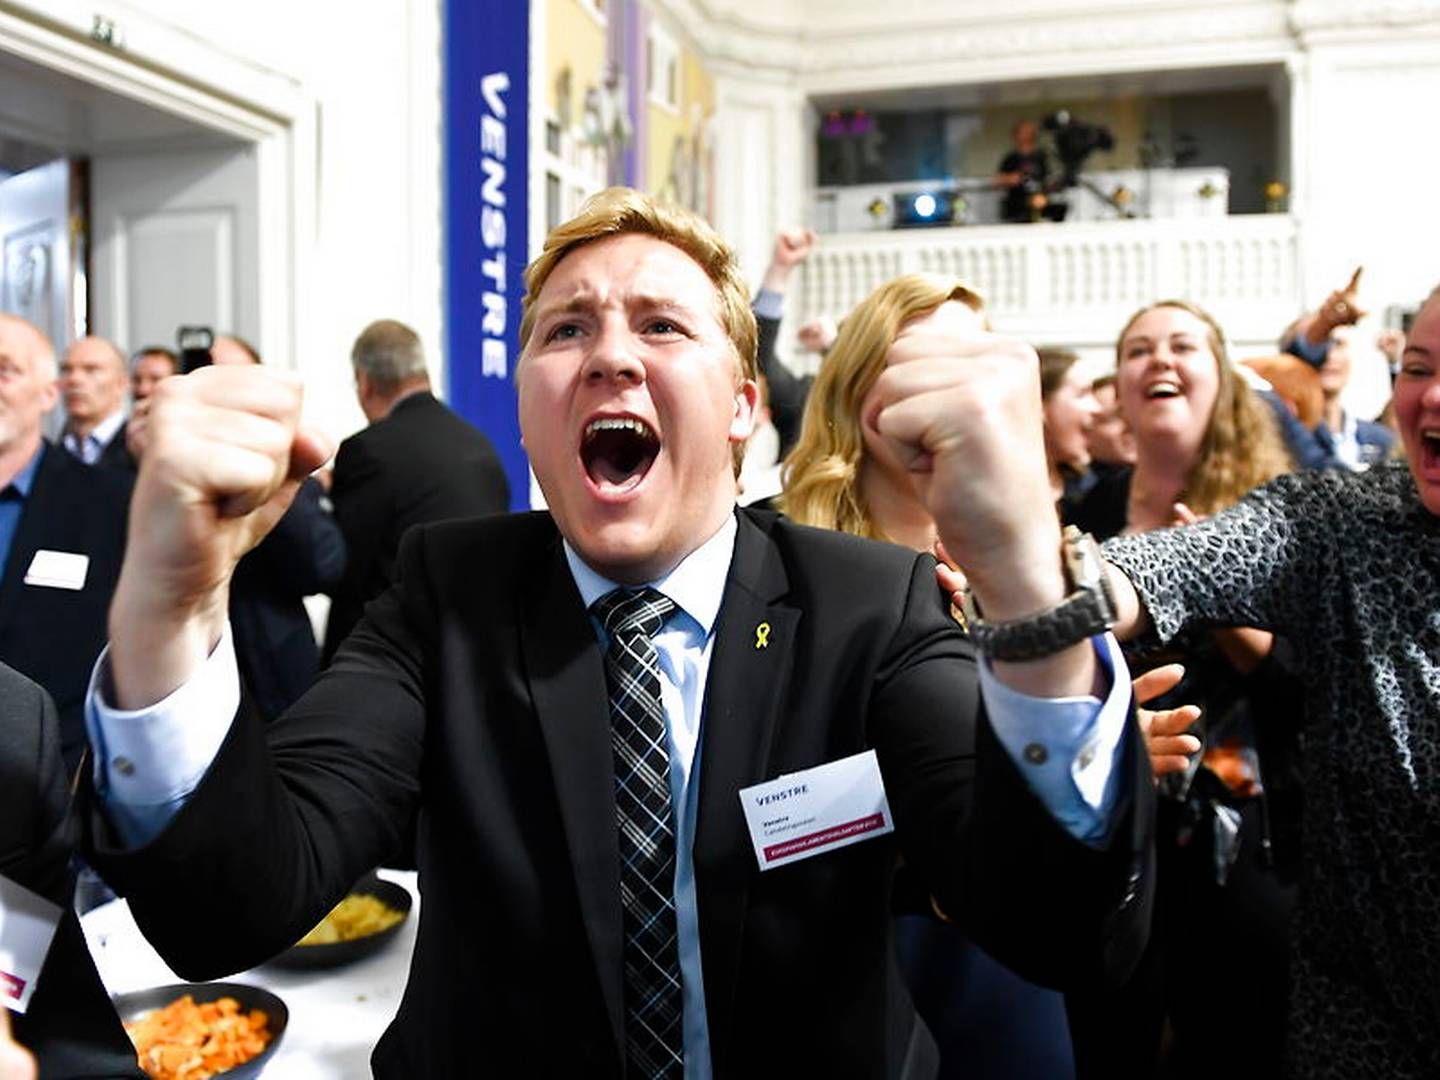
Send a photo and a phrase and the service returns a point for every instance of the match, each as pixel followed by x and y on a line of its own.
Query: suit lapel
pixel 26 541
pixel 567 680
pixel 749 674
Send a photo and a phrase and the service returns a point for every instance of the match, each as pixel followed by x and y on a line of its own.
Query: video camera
pixel 1075 141
pixel 194 343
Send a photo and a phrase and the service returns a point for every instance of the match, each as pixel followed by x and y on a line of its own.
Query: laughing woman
pixel 1203 437
pixel 1348 566
pixel 1226 834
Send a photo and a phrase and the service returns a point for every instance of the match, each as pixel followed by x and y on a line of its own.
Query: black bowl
pixel 134 1005
pixel 310 957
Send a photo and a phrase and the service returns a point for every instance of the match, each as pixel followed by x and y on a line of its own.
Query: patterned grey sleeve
pixel 1237 568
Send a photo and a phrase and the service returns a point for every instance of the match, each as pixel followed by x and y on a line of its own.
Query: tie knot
pixel 625 611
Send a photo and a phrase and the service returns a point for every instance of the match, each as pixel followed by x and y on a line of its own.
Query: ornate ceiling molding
pixel 914 36
pixel 1309 16
pixel 820 42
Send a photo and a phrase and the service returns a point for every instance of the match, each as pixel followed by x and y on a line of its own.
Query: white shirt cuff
pixel 150 758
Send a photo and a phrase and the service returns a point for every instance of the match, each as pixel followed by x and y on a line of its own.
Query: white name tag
pixel 27 925
pixel 58 570
pixel 817 810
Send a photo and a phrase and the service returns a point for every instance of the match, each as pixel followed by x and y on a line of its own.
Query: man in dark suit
pixel 591 910
pixel 62 536
pixel 147 368
pixel 93 383
pixel 1352 442
pixel 70 1025
pixel 416 462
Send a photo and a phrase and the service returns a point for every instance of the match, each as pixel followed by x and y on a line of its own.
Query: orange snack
pixel 186 1041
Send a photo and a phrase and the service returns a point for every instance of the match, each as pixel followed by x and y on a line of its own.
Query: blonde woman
pixel 1204 438
pixel 841 474
pixel 1228 833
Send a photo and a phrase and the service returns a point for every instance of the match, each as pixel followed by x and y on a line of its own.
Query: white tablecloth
pixel 336 1015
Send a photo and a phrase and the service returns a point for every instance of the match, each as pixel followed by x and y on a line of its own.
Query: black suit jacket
pixel 471 700
pixel 54 635
pixel 116 454
pixel 274 639
pixel 70 1025
pixel 422 463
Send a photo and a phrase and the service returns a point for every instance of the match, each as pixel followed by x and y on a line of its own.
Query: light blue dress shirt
pixel 88 448
pixel 147 762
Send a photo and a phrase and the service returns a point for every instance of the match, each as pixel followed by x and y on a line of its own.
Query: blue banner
pixel 487 108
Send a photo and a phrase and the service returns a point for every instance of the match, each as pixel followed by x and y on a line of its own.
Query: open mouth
pixel 1430 448
pixel 1162 388
pixel 617 452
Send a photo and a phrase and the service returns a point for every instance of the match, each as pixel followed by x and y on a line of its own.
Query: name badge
pixel 27 925
pixel 818 810
pixel 58 570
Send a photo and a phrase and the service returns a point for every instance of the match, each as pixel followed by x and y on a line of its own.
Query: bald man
pixel 93 381
pixel 62 535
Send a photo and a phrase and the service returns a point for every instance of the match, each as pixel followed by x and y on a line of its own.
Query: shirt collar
pixel 24 480
pixel 101 433
pixel 106 429
pixel 696 585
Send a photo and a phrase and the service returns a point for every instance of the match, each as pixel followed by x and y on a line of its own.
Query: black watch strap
pixel 1088 610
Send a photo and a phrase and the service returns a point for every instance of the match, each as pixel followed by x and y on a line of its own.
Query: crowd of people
pixel 570 720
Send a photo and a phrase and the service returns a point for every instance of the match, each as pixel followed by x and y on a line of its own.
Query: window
pixel 662 68
pixel 554 211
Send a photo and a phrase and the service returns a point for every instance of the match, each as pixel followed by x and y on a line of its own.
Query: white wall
pixel 344 102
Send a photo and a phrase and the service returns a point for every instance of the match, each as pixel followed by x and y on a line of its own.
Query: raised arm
pixel 225 458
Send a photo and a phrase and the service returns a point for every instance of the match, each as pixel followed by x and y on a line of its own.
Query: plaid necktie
pixel 654 1045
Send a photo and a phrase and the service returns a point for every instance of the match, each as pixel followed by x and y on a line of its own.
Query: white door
pixel 41 266
pixel 175 243
pixel 35 250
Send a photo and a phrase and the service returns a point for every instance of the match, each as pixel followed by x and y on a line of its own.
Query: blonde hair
pixel 822 470
pixel 1242 448
pixel 619 210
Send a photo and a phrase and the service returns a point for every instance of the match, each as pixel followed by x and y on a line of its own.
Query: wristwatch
pixel 1089 609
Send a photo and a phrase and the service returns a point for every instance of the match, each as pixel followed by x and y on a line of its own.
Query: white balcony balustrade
pixel 1076 283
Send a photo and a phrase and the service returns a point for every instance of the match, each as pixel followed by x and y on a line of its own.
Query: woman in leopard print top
pixel 1348 567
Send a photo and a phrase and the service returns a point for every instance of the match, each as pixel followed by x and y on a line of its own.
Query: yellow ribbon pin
pixel 762 635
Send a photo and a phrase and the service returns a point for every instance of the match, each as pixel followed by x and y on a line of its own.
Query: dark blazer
pixel 274 639
pixel 70 1026
pixel 471 701
pixel 116 454
pixel 54 635
pixel 422 463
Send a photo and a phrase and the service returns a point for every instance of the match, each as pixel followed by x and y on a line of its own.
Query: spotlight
pixel 914 209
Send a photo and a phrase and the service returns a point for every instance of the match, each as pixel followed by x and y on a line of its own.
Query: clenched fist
pixel 224 457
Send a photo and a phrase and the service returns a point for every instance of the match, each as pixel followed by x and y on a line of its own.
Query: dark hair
pixel 1054 365
pixel 156 350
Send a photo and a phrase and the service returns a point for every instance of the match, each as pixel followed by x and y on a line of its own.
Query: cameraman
pixel 1023 173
